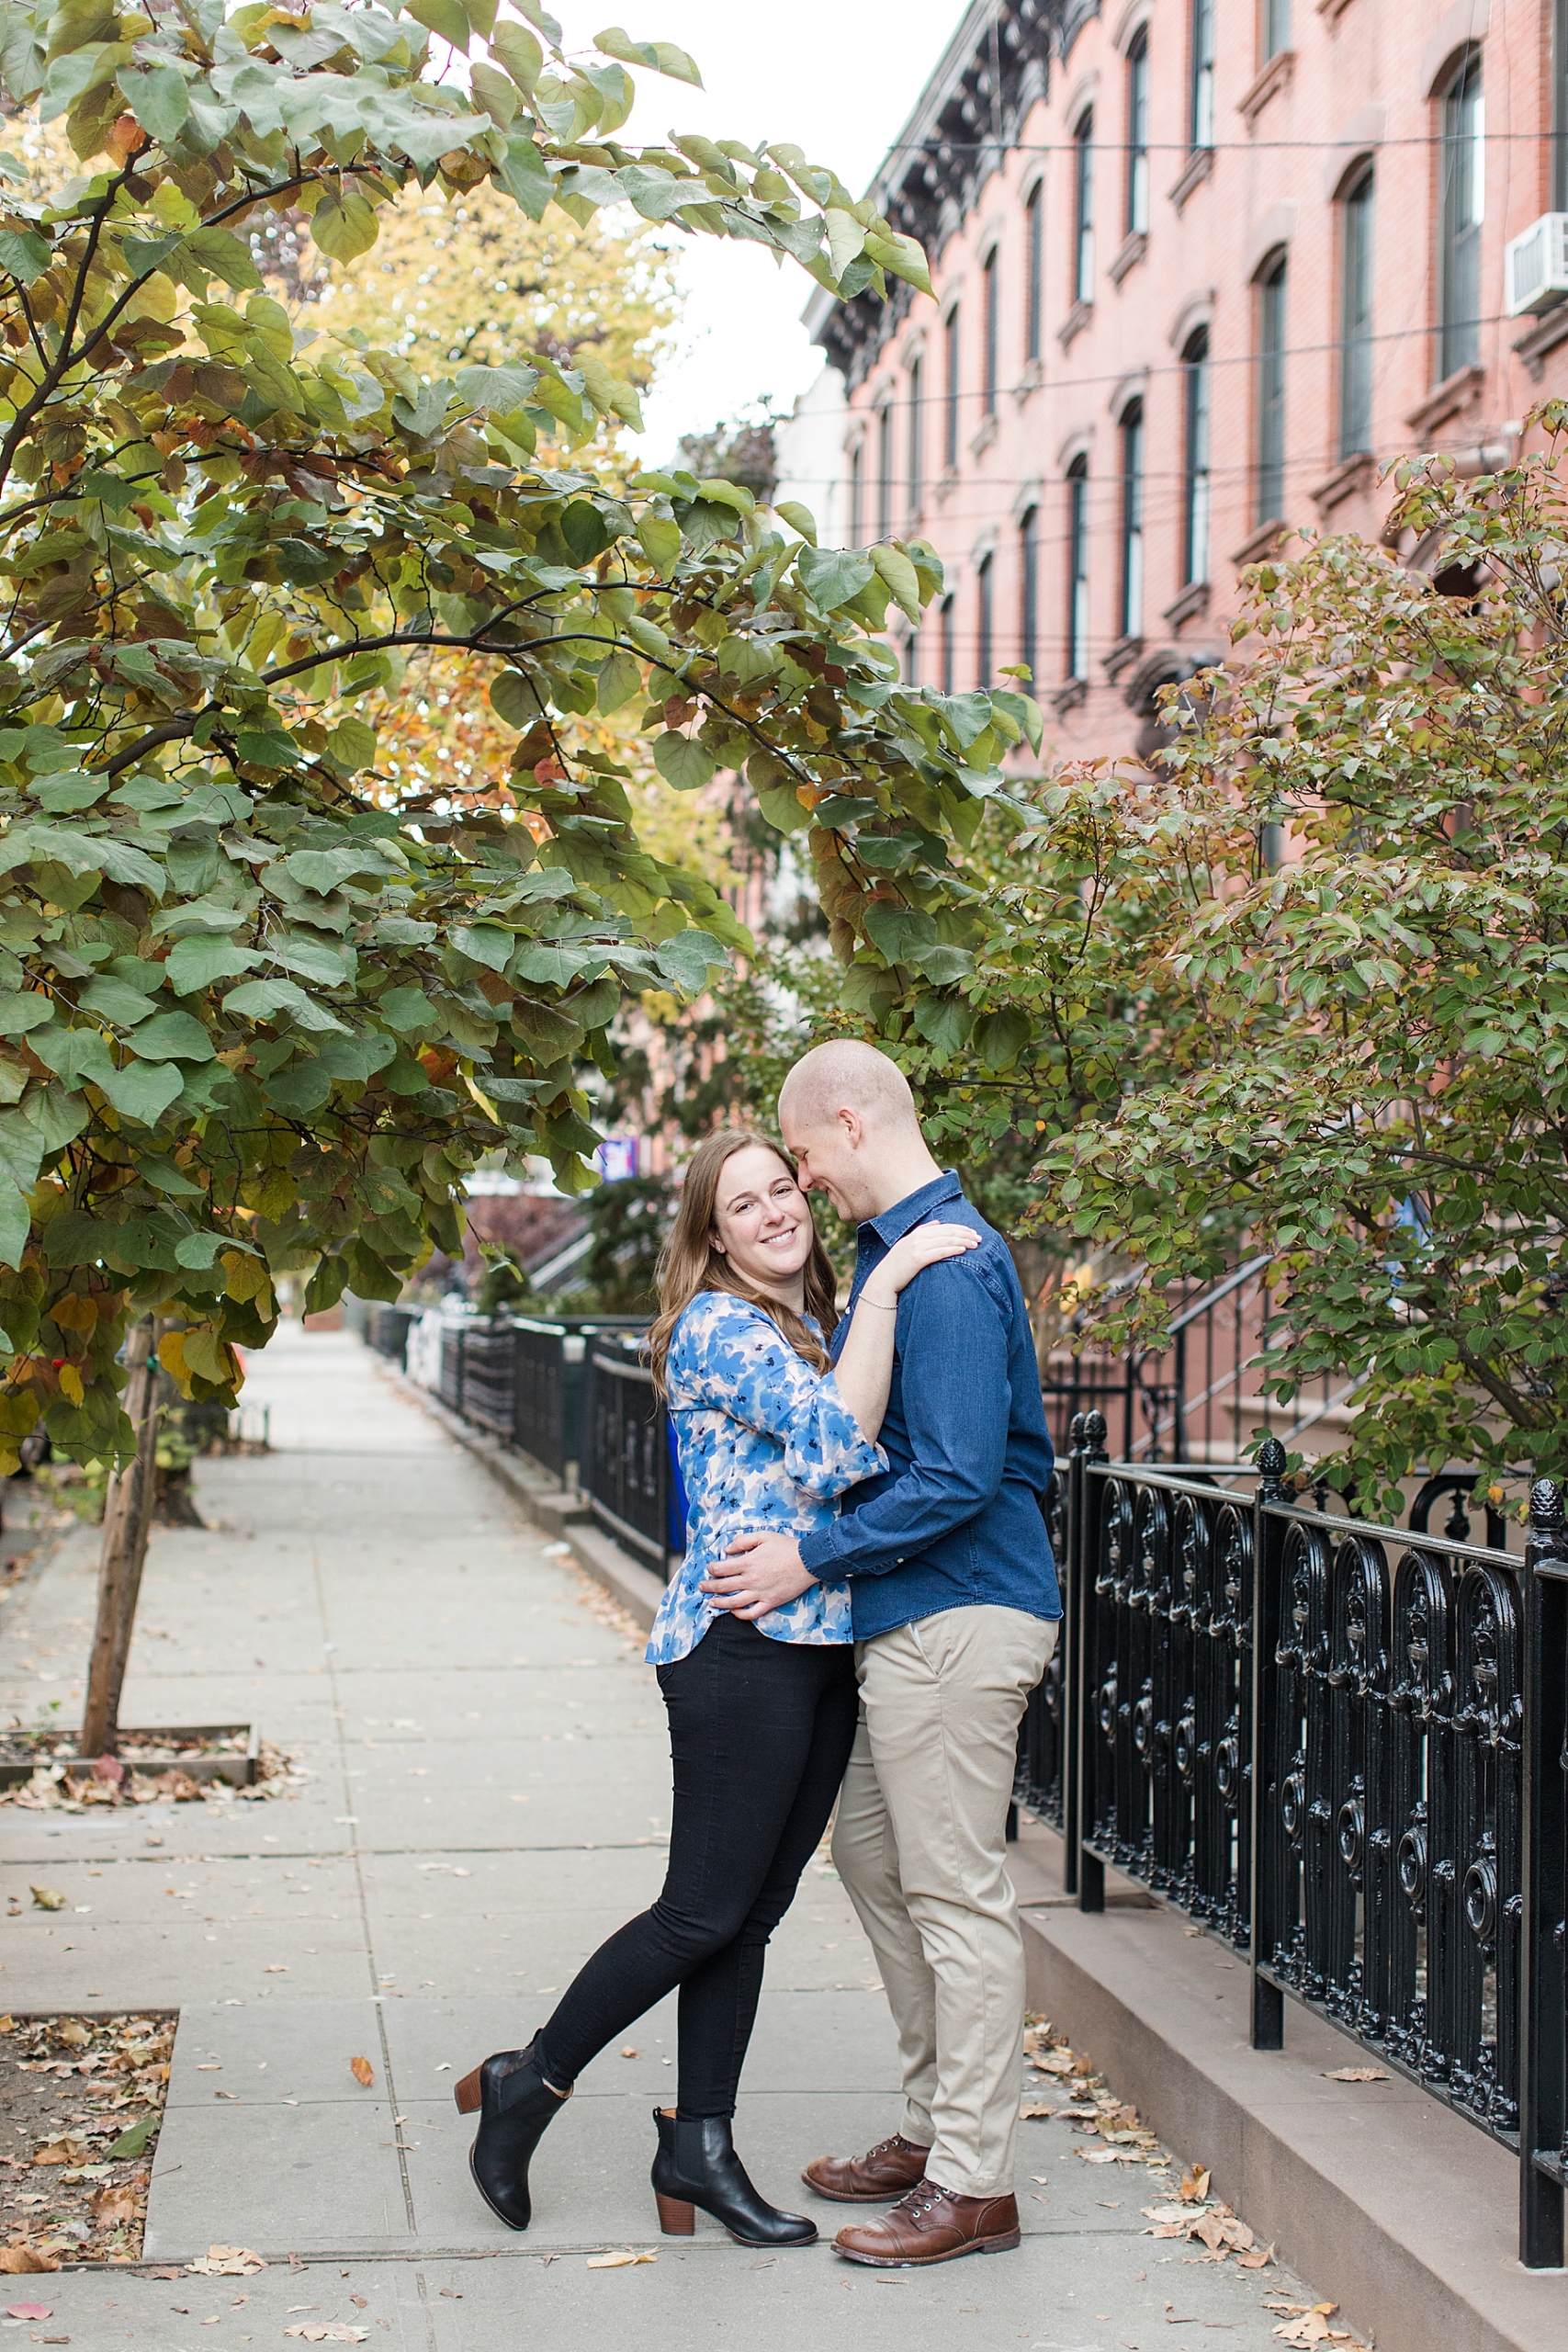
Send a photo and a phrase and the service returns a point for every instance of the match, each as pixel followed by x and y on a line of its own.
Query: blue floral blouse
pixel 764 1443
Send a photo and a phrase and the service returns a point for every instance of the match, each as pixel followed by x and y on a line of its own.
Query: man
pixel 956 1609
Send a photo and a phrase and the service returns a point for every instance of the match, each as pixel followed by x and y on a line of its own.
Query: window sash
pixel 1276 28
pixel 1133 520
pixel 1029 598
pixel 916 446
pixel 949 403
pixel 1034 278
pixel 989 384
pixel 984 622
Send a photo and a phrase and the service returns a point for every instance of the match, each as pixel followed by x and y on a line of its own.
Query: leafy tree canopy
pixel 265 1005
pixel 1357 1052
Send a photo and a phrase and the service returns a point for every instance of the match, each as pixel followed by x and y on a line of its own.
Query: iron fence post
pixel 1088 1510
pixel 1072 1696
pixel 1268 2000
pixel 1543 2016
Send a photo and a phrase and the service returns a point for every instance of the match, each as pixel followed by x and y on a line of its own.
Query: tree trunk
pixel 127 1517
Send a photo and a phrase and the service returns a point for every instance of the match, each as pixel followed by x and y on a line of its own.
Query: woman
pixel 762 1716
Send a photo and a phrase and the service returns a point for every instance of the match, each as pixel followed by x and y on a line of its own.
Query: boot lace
pixel 916 2202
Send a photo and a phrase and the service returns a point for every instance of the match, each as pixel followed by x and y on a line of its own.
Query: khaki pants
pixel 920 1843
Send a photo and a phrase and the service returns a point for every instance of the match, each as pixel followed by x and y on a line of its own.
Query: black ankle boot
pixel 696 2165
pixel 515 2106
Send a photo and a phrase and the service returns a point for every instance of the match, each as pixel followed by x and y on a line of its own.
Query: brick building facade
pixel 1202 268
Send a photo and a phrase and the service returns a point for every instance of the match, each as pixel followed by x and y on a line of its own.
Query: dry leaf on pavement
pixel 30 2311
pixel 1259 2259
pixel 315 2331
pixel 364 2072
pixel 1035 2110
pixel 226 2262
pixel 1194 2187
pixel 1357 2074
pixel 16 2260
pixel 617 2261
pixel 48 1898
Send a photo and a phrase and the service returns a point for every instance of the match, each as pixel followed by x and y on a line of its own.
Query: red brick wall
pixel 1358 82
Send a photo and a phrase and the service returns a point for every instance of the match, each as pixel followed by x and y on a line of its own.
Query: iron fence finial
pixel 1095 1434
pixel 1271 1470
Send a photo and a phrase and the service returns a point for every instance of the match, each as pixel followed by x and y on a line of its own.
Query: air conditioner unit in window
pixel 1535 264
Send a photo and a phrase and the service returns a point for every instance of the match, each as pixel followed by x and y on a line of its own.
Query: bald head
pixel 845 1074
pixel 846 1113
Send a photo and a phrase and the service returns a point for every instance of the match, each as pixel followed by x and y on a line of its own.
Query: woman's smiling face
pixel 761 1219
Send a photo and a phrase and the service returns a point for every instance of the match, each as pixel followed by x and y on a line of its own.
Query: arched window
pixel 1201 89
pixel 1077 569
pixel 1195 460
pixel 950 400
pixel 1029 592
pixel 916 443
pixel 1035 270
pixel 989 327
pixel 1462 209
pixel 1138 135
pixel 1356 319
pixel 1132 519
pixel 984 622
pixel 1083 208
pixel 1276 26
pixel 1270 499
pixel 944 643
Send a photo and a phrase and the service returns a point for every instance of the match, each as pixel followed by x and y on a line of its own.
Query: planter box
pixel 162 1750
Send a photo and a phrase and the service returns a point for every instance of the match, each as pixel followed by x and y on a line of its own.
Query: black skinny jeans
pixel 760 1733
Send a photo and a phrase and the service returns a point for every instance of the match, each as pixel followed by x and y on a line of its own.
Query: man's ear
pixel 854 1128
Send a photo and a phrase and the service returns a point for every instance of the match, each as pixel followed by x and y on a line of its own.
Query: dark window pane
pixel 988 383
pixel 1132 519
pixel 1356 322
pixel 983 623
pixel 1276 26
pixel 1195 503
pixel 950 404
pixel 1271 396
pixel 1083 210
pixel 1034 281
pixel 917 449
pixel 1463 208
pixel 1201 103
pixel 1028 583
pixel 1077 569
pixel 885 471
pixel 1138 137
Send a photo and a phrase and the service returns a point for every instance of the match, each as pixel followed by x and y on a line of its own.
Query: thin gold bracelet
pixel 863 1301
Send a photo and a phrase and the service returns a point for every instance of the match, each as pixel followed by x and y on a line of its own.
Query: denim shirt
pixel 764 1443
pixel 957 1519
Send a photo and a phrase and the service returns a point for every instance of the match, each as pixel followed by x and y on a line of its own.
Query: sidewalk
pixel 487 1797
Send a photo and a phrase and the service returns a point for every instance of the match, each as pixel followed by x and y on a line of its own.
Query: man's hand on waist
pixel 762 1573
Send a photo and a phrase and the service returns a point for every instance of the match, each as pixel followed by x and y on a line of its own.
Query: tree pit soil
pixel 81 2101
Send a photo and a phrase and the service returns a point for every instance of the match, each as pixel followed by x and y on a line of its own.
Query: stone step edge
pixel 1402 2211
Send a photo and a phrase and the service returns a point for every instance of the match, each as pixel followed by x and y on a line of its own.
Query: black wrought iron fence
pixel 1342 1747
pixel 627 1474
pixel 488 1357
pixel 550 1375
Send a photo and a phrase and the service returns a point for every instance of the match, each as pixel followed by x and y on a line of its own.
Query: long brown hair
pixel 691 1262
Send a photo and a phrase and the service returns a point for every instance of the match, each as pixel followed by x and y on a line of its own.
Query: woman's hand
pixel 925 1245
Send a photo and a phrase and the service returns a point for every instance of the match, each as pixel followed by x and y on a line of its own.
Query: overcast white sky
pixel 838 77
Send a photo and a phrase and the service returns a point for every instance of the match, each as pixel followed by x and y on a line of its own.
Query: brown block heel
pixel 467 2094
pixel 676 2218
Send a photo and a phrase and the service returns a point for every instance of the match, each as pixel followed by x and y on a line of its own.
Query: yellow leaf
pixel 208 1356
pixel 172 1356
pixel 71 1381
pixel 245 1277
pixel 74 1313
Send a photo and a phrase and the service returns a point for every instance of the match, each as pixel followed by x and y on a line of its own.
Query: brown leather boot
pixel 883 2173
pixel 931 2224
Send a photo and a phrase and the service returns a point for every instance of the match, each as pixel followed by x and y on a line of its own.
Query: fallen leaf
pixel 617 2261
pixel 1035 2110
pixel 275 1968
pixel 113 2203
pixel 16 2259
pixel 1357 2074
pixel 315 2331
pixel 1259 2259
pixel 1194 2187
pixel 363 2070
pixel 48 1898
pixel 629 2053
pixel 226 2262
pixel 30 2311
pixel 1104 2156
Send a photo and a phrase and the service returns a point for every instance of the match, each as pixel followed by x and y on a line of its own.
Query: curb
pixel 1405 2211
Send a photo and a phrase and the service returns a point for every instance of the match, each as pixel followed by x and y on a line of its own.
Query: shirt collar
pixel 894 1223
